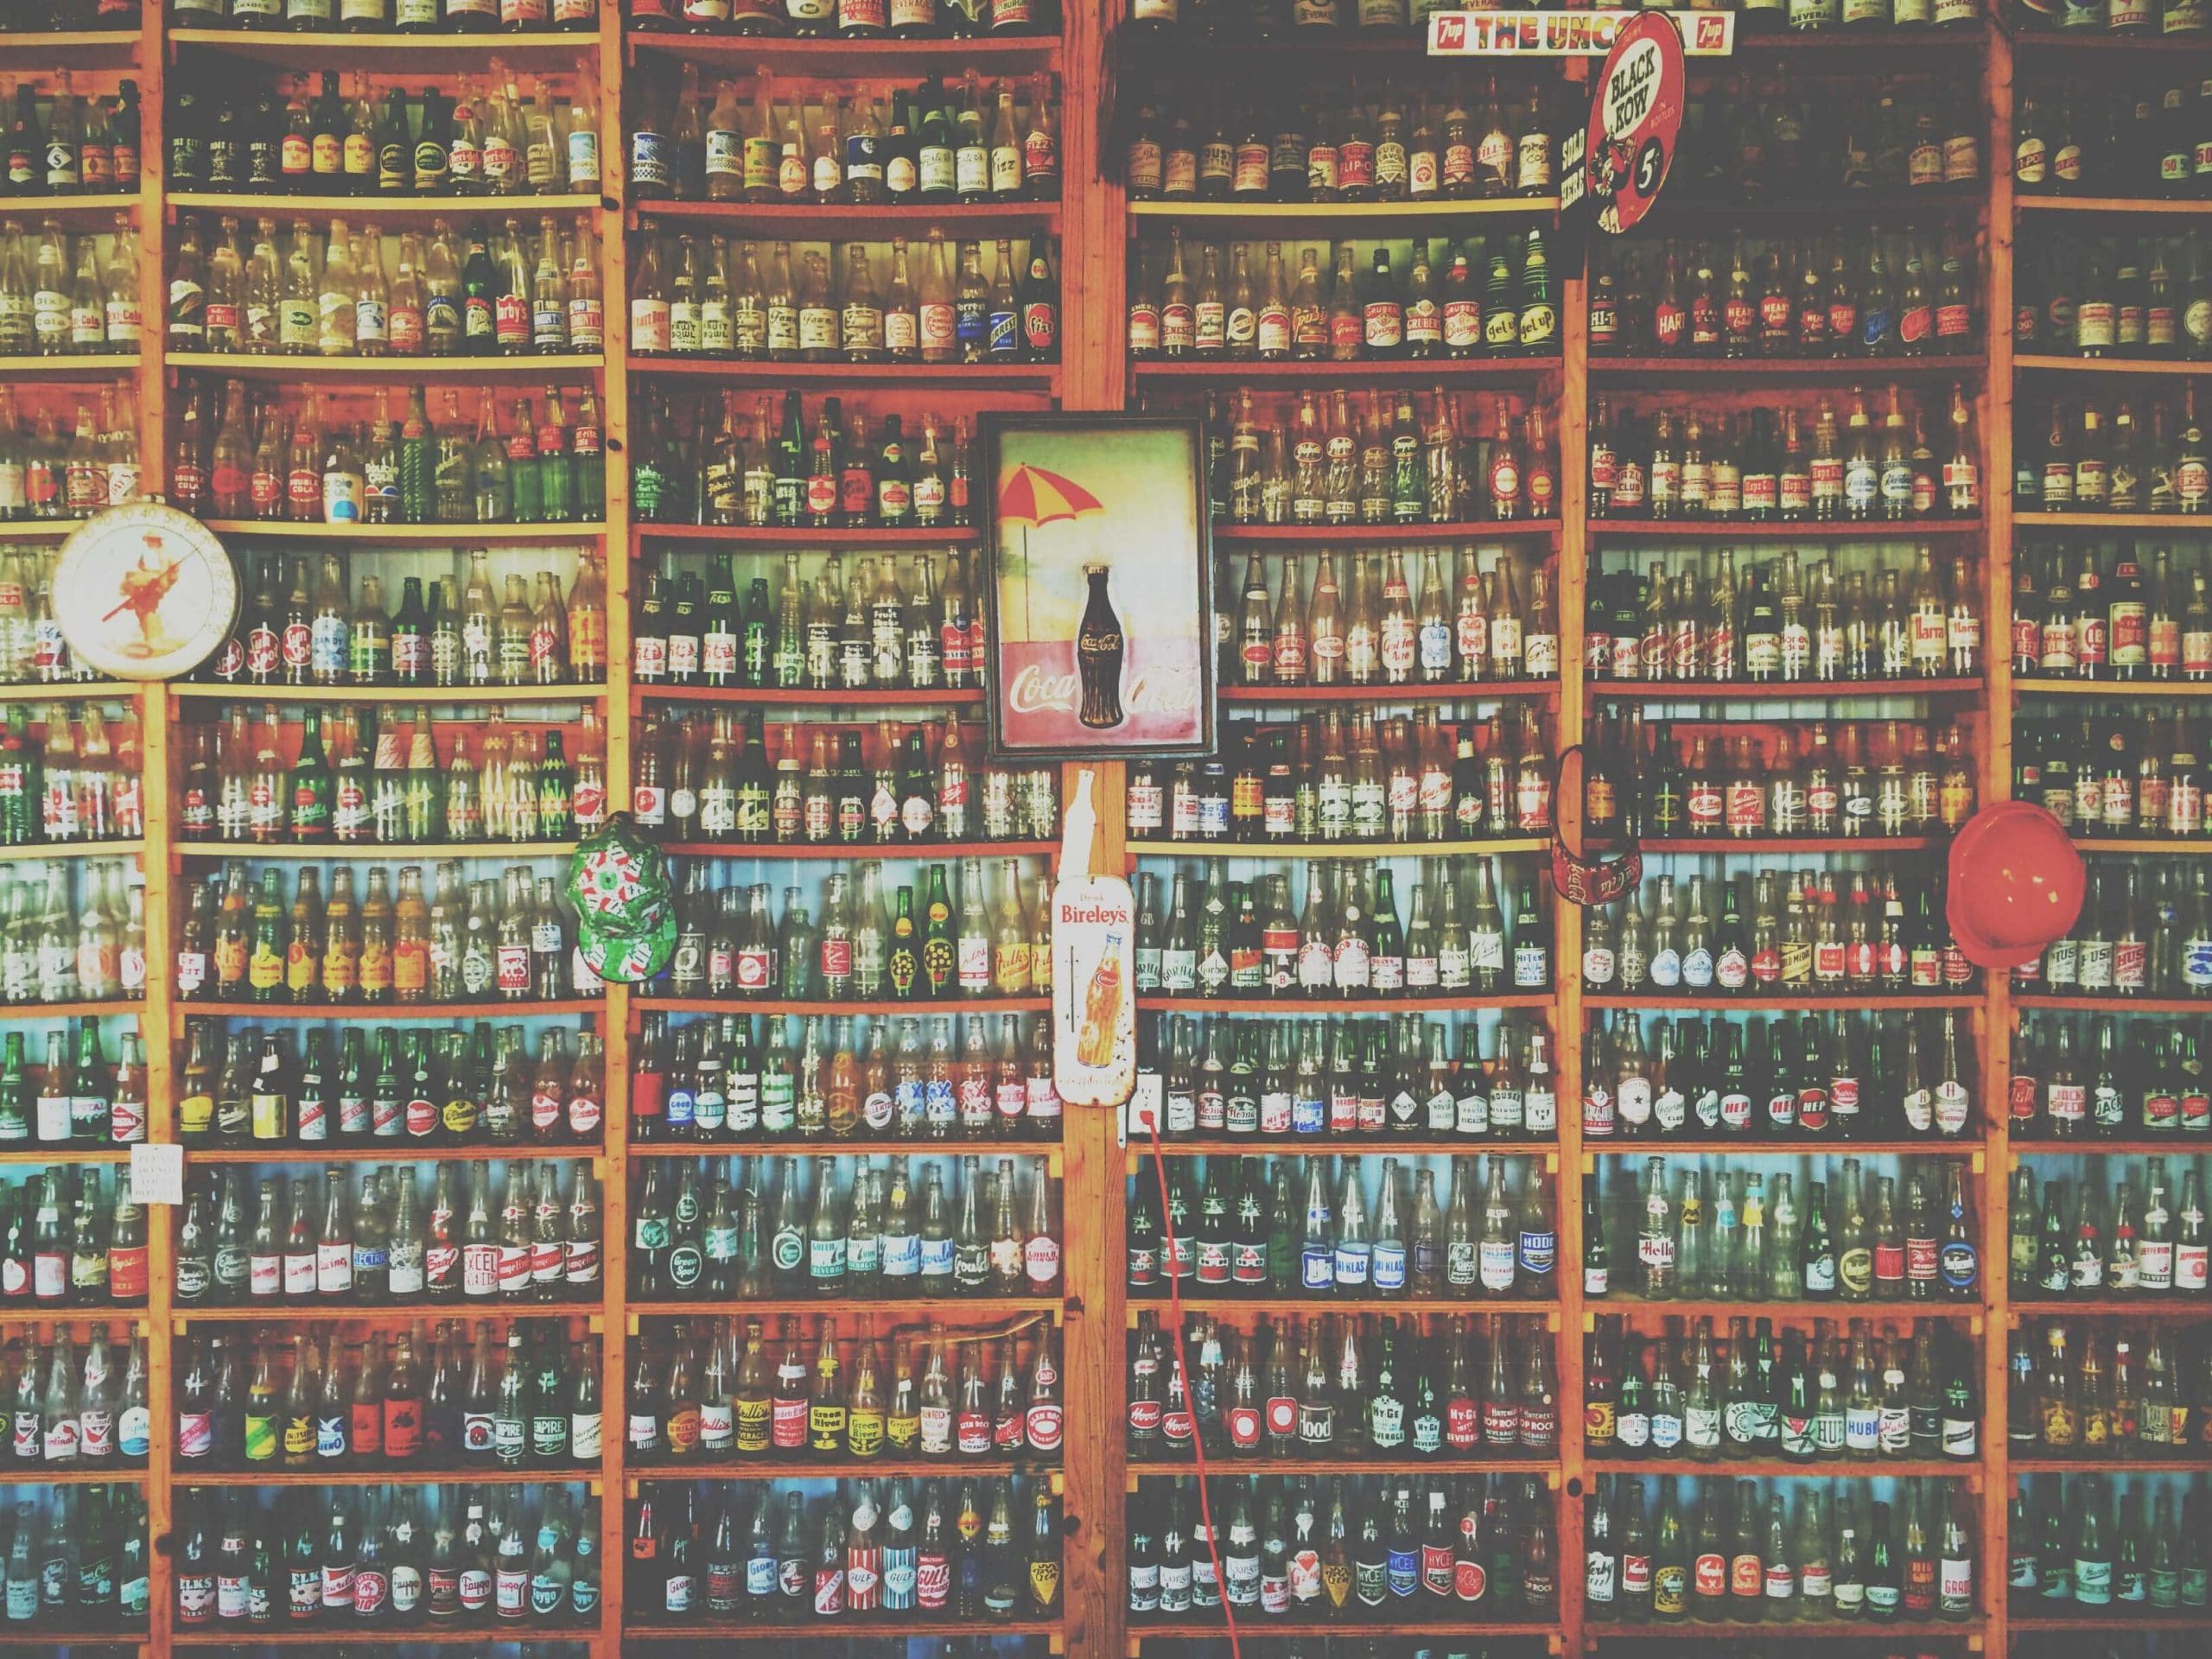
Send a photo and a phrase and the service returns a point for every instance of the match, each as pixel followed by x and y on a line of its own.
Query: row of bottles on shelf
pixel 388 1245
pixel 2068 1083
pixel 239 142
pixel 2138 142
pixel 708 1080
pixel 936 145
pixel 861 19
pixel 418 1088
pixel 1266 1081
pixel 2153 1400
pixel 1802 932
pixel 495 1557
pixel 1798 1079
pixel 69 784
pixel 514 785
pixel 687 302
pixel 60 298
pixel 1397 778
pixel 288 460
pixel 82 146
pixel 1867 1395
pixel 1765 470
pixel 1349 1549
pixel 1752 137
pixel 1699 619
pixel 32 649
pixel 707 464
pixel 1342 1386
pixel 878 631
pixel 1231 20
pixel 2131 17
pixel 1333 461
pixel 1424 144
pixel 1346 941
pixel 69 1411
pixel 490 938
pixel 2090 1542
pixel 708 1392
pixel 742 1230
pixel 379 16
pixel 2131 938
pixel 919 946
pixel 1242 1234
pixel 1869 780
pixel 2113 298
pixel 74 1098
pixel 1720 1233
pixel 1490 299
pixel 1799 1556
pixel 2108 775
pixel 45 476
pixel 1901 300
pixel 409 1401
pixel 508 294
pixel 706 778
pixel 293 631
pixel 2093 465
pixel 2078 615
pixel 2100 1245
pixel 77 1562
pixel 927 1549
pixel 79 937
pixel 71 1240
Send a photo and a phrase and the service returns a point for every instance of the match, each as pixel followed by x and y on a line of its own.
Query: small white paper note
pixel 156 1173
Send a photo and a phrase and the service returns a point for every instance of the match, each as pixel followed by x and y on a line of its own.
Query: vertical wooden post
pixel 614 1327
pixel 1995 784
pixel 159 1033
pixel 152 385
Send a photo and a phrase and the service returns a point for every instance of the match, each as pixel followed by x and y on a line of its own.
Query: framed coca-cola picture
pixel 1099 585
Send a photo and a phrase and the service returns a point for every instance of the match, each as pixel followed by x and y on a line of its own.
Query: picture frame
pixel 1091 522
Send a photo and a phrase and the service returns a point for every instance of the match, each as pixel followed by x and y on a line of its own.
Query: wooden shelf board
pixel 1653 371
pixel 388 52
pixel 2144 205
pixel 1425 692
pixel 437 535
pixel 1412 535
pixel 2183 523
pixel 397 369
pixel 367 210
pixel 1044 377
pixel 494 696
pixel 1869 1001
pixel 500 849
pixel 2036 999
pixel 815 58
pixel 2149 690
pixel 777 851
pixel 831 1147
pixel 1354 850
pixel 385 1013
pixel 804 537
pixel 383 1312
pixel 873 222
pixel 386 1150
pixel 2032 364
pixel 1470 1002
pixel 1445 371
pixel 1775 691
pixel 949 1005
pixel 874 697
pixel 1734 530
pixel 1724 845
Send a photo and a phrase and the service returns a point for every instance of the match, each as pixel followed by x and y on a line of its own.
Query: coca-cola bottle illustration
pixel 1099 649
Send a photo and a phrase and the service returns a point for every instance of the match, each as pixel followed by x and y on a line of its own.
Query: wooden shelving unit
pixel 1098 71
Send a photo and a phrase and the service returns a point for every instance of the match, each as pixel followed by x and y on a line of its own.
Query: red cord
pixel 1198 1429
